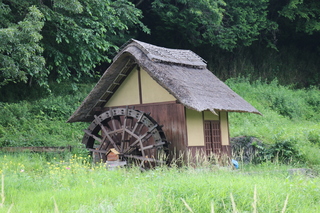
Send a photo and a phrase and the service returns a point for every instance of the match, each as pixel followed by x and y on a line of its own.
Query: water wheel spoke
pixel 113 132
pixel 105 143
pixel 129 126
pixel 100 146
pixel 152 146
pixel 139 141
pixel 114 144
pixel 93 136
pixel 132 134
pixel 142 151
pixel 123 141
pixel 98 151
pixel 137 123
pixel 105 131
pixel 145 136
pixel 131 146
pixel 124 126
pixel 140 128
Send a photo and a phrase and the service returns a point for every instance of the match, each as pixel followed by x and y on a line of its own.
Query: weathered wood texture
pixel 172 116
pixel 35 149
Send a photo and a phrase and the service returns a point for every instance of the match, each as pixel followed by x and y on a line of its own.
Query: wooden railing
pixel 35 149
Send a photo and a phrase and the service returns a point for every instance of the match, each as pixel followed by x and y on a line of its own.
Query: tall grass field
pixel 287 137
pixel 34 183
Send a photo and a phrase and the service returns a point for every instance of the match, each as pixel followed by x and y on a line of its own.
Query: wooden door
pixel 212 133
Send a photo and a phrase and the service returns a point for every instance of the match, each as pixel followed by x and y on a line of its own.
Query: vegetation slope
pixel 290 121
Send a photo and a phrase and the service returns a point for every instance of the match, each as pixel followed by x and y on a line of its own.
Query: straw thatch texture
pixel 166 55
pixel 181 72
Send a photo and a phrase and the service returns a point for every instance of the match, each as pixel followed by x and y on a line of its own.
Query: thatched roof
pixel 181 72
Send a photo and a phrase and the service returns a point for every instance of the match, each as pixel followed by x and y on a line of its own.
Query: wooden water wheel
pixel 134 136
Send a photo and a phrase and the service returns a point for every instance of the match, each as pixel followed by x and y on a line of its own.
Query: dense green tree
pixel 235 36
pixel 64 38
pixel 186 22
pixel 78 39
pixel 225 24
pixel 20 50
pixel 304 13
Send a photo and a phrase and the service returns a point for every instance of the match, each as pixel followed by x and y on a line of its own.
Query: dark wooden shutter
pixel 212 137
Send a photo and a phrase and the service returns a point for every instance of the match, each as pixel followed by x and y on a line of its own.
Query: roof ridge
pixel 165 55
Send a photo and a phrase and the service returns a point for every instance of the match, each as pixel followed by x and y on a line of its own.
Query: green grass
pixel 36 183
pixel 288 115
pixel 42 121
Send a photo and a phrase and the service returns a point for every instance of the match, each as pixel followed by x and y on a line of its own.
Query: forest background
pixel 57 40
pixel 53 52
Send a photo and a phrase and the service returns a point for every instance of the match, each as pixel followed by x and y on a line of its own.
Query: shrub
pixel 250 149
pixel 247 149
pixel 283 152
pixel 314 137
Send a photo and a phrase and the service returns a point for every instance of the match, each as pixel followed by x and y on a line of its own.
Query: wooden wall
pixel 172 116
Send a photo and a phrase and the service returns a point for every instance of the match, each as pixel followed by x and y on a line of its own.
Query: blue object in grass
pixel 235 164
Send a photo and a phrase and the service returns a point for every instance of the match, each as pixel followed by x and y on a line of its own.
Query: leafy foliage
pixel 20 49
pixel 67 39
pixel 301 104
pixel 243 22
pixel 190 21
pixel 251 150
pixel 305 14
pixel 224 24
pixel 284 151
pixel 76 41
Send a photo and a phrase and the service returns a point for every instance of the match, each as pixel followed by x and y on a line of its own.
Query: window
pixel 212 134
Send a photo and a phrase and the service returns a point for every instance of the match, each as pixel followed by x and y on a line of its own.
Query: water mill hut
pixel 154 101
